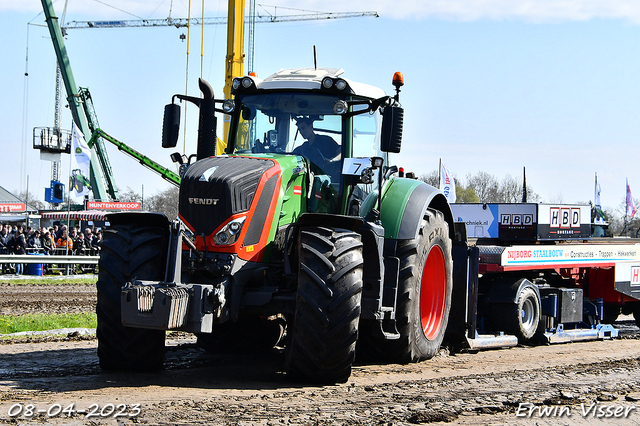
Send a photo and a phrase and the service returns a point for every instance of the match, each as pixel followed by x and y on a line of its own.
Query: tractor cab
pixel 314 114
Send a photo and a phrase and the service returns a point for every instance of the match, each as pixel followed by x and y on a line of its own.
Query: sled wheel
pixel 522 317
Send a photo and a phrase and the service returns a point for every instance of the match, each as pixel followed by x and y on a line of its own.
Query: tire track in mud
pixel 47 299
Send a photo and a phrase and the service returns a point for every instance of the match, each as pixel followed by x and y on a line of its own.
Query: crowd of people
pixel 18 239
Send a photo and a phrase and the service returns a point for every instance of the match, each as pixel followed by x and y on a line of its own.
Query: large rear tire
pixel 325 327
pixel 424 292
pixel 128 252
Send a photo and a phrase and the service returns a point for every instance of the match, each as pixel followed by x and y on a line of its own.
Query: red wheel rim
pixel 433 293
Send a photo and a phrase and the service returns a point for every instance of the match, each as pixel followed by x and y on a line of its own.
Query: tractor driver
pixel 321 150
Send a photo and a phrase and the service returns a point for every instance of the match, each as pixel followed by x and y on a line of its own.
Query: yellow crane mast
pixel 234 63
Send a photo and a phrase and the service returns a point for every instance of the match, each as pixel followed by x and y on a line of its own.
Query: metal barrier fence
pixel 48 259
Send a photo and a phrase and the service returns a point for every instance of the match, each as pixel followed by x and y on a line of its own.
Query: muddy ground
pixel 579 383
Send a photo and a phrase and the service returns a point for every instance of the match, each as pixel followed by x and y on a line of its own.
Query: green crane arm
pixel 99 148
pixel 166 174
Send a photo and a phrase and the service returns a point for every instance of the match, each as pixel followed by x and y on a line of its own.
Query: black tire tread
pixel 325 328
pixel 127 253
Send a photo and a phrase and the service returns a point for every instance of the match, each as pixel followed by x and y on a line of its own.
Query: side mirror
pixel 170 125
pixel 392 121
pixel 248 113
pixel 176 157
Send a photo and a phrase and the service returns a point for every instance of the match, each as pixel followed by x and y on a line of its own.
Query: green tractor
pixel 301 234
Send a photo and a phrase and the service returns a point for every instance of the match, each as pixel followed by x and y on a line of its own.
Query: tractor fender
pixel 352 223
pixel 507 290
pixel 139 219
pixel 404 203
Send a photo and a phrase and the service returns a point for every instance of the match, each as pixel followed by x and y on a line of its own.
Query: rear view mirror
pixel 248 113
pixel 392 122
pixel 170 125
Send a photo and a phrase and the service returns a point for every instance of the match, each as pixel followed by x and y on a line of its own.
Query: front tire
pixel 325 327
pixel 128 252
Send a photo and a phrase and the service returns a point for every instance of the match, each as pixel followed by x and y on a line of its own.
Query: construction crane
pixel 235 36
pixel 185 22
pixel 234 61
pixel 80 117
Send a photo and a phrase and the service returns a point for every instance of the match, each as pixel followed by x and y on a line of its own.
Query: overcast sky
pixel 491 86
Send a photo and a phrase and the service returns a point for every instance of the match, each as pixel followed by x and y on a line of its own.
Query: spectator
pixel 96 242
pixel 80 245
pixel 11 239
pixel 88 234
pixel 64 242
pixel 33 241
pixel 4 248
pixel 4 235
pixel 46 243
pixel 21 245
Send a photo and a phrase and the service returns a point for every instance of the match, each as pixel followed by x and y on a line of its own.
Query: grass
pixel 63 280
pixel 39 322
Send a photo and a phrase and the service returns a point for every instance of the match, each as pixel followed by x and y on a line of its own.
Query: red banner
pixel 13 207
pixel 115 205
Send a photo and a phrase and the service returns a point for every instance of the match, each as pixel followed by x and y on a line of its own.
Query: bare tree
pixel 31 200
pixel 129 196
pixel 510 190
pixel 430 178
pixel 164 202
pixel 485 186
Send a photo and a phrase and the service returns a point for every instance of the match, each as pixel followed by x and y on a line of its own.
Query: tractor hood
pixel 216 188
pixel 234 203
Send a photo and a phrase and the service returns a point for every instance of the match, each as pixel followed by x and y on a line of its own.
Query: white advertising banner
pixel 79 185
pixel 447 184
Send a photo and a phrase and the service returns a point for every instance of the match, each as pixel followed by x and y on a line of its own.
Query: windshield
pixel 269 122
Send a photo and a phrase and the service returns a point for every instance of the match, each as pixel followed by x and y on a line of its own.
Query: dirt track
pixel 492 387
pixel 52 299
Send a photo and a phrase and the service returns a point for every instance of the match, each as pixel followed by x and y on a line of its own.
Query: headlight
pixel 230 232
pixel 247 82
pixel 236 83
pixel 340 107
pixel 228 106
pixel 327 82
